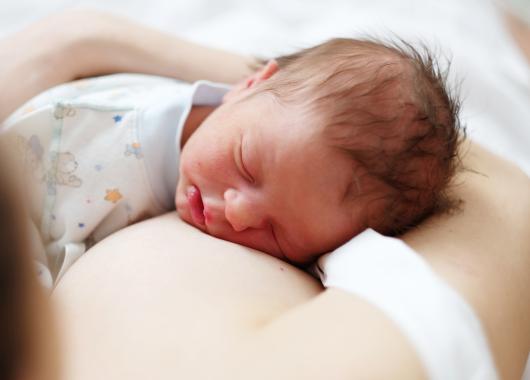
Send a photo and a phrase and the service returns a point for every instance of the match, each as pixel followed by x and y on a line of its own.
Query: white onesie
pixel 100 154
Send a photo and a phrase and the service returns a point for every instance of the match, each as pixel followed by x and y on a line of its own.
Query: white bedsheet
pixel 495 76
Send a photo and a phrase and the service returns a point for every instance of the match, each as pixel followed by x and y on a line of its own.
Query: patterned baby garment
pixel 97 155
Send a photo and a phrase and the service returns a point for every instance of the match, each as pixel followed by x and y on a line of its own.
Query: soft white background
pixel 495 76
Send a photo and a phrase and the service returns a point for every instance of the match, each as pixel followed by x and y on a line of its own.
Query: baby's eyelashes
pixel 242 167
pixel 276 241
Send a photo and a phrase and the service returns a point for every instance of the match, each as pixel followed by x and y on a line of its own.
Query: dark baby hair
pixel 388 106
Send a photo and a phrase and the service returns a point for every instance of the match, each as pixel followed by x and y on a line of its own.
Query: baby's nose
pixel 241 212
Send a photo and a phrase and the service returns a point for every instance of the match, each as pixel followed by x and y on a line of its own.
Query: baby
pixel 312 149
pixel 320 145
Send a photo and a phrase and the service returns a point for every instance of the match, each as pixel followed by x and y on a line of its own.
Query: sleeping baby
pixel 311 150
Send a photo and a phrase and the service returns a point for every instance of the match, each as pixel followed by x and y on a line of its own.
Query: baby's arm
pixel 83 43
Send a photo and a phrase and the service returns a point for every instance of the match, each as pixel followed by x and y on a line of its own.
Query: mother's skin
pixel 161 300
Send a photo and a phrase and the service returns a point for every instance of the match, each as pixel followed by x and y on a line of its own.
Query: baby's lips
pixel 196 206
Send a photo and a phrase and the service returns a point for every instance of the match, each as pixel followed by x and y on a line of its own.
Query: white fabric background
pixel 495 76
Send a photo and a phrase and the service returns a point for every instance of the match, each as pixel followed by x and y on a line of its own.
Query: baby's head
pixel 320 145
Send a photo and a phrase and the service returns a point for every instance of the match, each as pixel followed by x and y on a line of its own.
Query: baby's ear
pixel 251 81
pixel 263 74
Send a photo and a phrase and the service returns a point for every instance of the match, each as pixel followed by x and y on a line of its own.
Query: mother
pixel 161 300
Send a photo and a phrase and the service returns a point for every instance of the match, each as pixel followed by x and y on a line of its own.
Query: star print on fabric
pixel 80 225
pixel 117 118
pixel 81 84
pixel 98 167
pixel 28 109
pixel 113 195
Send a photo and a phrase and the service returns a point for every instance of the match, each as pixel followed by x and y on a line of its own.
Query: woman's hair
pixel 388 106
pixel 27 345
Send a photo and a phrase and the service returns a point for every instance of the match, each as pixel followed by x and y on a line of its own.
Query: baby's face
pixel 255 174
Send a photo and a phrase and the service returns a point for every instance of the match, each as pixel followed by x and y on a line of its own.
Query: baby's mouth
pixel 196 206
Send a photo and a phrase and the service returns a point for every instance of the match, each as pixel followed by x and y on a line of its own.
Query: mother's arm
pixel 82 43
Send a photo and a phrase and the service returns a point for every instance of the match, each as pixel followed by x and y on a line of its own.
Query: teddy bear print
pixel 63 166
pixel 32 153
pixel 134 149
pixel 61 111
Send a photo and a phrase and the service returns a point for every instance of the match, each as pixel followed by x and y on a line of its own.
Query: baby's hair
pixel 388 106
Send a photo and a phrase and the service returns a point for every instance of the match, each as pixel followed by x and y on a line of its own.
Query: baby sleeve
pixel 441 326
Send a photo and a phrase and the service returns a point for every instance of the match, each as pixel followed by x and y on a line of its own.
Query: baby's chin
pixel 302 260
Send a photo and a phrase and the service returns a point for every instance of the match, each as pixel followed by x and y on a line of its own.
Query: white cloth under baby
pixel 100 154
pixel 438 322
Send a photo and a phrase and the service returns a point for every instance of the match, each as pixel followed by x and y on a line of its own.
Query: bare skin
pixel 161 300
pixel 192 306
pixel 196 307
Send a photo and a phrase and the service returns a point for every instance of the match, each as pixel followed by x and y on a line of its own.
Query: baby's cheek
pixel 218 166
pixel 190 165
